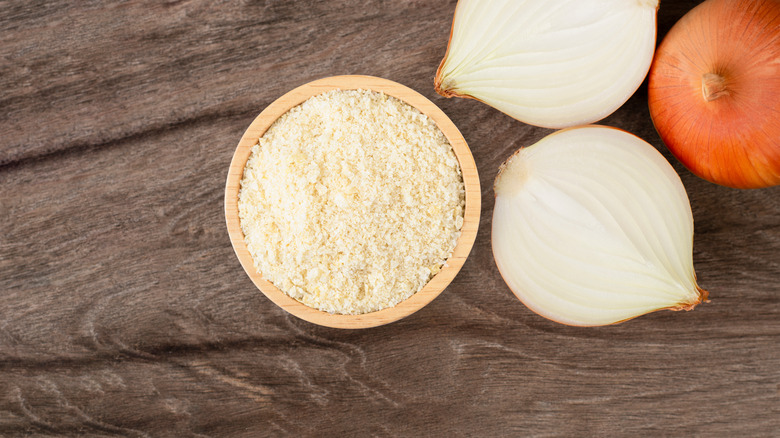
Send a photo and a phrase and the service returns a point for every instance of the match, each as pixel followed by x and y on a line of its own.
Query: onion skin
pixel 714 92
pixel 437 85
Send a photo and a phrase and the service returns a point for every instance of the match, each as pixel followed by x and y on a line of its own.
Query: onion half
pixel 592 226
pixel 550 63
pixel 714 92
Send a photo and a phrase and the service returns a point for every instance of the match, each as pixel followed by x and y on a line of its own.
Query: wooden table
pixel 124 312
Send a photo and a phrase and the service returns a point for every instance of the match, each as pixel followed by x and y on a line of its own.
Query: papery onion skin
pixel 592 226
pixel 714 92
pixel 536 66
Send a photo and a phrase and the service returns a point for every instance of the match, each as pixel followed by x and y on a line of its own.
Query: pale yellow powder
pixel 351 202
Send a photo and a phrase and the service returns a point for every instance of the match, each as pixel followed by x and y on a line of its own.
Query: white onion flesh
pixel 592 226
pixel 551 63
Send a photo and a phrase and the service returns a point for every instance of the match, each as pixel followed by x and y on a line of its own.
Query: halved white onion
pixel 592 226
pixel 551 63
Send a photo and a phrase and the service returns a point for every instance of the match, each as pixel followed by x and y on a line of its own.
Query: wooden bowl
pixel 470 216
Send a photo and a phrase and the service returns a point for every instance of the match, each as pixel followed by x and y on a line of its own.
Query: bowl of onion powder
pixel 352 201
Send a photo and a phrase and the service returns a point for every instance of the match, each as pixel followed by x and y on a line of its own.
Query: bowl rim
pixel 437 283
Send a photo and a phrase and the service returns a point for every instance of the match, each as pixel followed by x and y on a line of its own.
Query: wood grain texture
pixel 471 211
pixel 124 312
